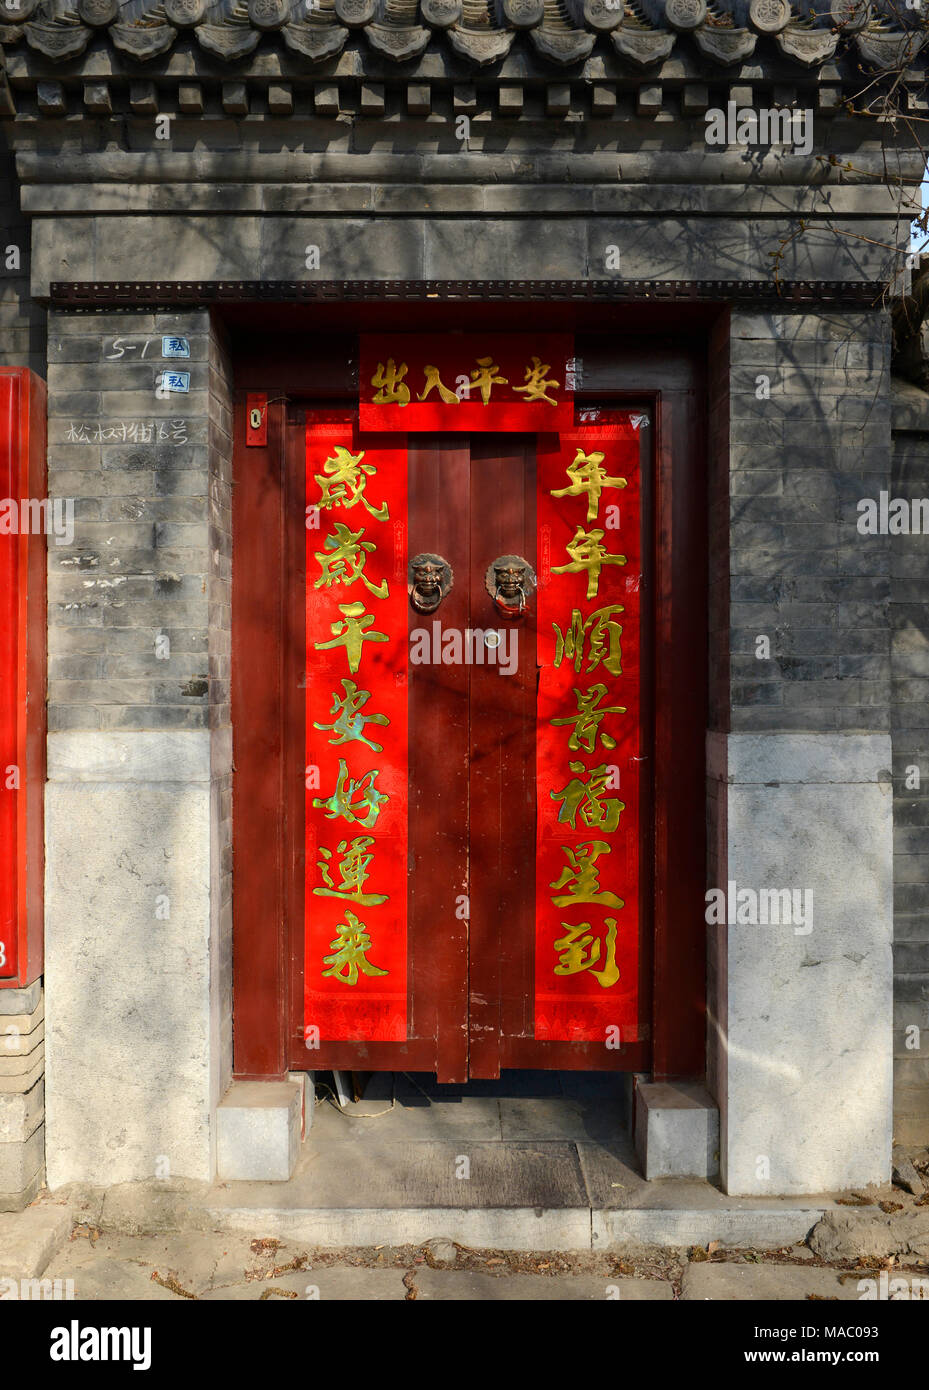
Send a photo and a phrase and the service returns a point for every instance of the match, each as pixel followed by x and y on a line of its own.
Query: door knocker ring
pixel 510 581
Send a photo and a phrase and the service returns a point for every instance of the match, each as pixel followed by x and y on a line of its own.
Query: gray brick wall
pixel 219 650
pixel 140 560
pixel 846 613
pixel 799 572
pixel 22 322
pixel 151 480
pixel 909 626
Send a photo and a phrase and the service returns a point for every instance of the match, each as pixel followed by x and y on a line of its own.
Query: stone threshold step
pixel 523 1228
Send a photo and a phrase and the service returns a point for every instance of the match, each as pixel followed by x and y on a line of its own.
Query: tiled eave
pixel 384 57
pixel 271 81
pixel 472 35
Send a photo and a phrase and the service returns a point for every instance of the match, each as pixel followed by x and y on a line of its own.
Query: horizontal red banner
pixel 466 382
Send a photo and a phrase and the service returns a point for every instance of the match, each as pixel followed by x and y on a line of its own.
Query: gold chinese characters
pixel 343 564
pixel 393 388
pixel 587 799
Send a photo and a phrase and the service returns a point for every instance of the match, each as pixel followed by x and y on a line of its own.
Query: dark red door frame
pixel 258 722
pixel 670 380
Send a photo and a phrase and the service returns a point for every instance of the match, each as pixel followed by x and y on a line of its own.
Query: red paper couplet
pixel 587 857
pixel 12 681
pixel 356 734
pixel 466 381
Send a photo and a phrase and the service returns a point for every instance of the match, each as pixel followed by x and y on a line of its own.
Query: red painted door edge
pixel 23 475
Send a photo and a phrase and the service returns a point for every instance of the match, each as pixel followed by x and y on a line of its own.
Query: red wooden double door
pixel 449 848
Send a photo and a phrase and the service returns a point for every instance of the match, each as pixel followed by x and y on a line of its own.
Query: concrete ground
pixel 89 1265
pixel 527 1188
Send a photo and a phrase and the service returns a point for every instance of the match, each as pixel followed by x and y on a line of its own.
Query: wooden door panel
pixel 435 873
pixel 505 786
pixel 438 767
pixel 502 760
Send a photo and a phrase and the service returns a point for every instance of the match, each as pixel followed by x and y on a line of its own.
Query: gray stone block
pixel 503 249
pixel 178 248
pixel 800 758
pixel 18 1071
pixel 21 1160
pixel 138 757
pixel 305 1080
pixel 418 99
pixel 765 1283
pixel 62 249
pixel 17 1042
pixel 372 99
pixel 21 1114
pixel 415 199
pixel 258 1126
pixel 325 199
pixel 19 1201
pixel 124 374
pixel 21 1001
pixel 349 248
pixel 143 717
pixel 676 1131
pixel 326 100
pixel 679 1224
pixel 814 1115
pixel 112 849
pixel 835 252
pixel 29 1240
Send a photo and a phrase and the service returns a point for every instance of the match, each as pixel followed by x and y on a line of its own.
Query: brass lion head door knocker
pixel 429 579
pixel 510 581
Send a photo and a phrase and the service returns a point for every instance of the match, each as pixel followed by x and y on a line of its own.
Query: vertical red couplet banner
pixel 13 542
pixel 356 735
pixel 588 735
